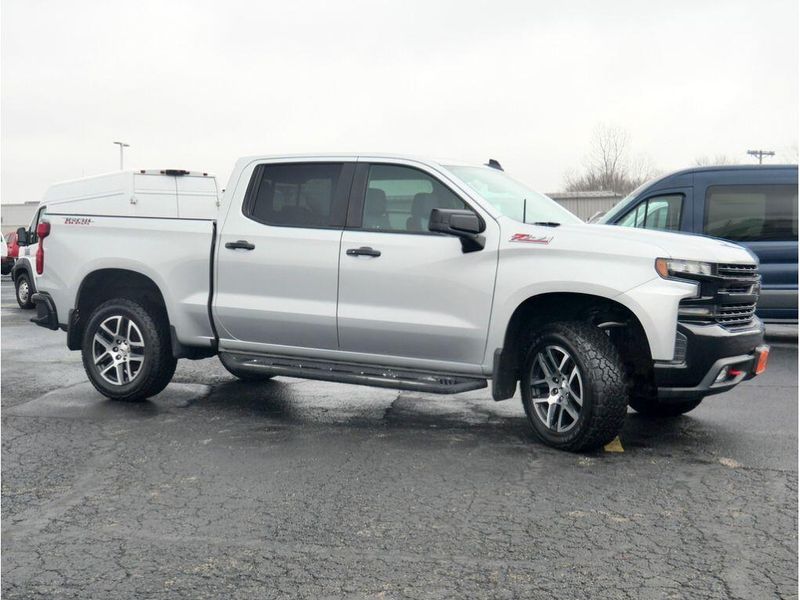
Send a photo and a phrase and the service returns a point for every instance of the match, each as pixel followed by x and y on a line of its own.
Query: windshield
pixel 512 198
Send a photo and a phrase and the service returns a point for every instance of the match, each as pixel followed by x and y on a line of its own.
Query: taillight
pixel 42 231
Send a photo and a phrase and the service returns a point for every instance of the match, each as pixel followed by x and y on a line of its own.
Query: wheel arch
pixel 104 284
pixel 625 329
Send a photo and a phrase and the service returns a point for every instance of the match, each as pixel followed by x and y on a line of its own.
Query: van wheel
pixel 126 351
pixel 24 289
pixel 651 407
pixel 573 387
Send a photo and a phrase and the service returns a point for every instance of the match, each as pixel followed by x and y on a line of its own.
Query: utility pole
pixel 761 154
pixel 124 145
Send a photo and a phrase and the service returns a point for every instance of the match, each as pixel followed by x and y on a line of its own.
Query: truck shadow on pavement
pixel 287 404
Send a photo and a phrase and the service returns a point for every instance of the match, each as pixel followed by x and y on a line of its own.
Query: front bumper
pixel 710 348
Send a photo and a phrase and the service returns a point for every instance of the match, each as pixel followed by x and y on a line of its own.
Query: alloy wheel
pixel 556 389
pixel 118 350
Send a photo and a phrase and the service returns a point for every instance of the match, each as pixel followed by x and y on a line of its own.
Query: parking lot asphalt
pixel 221 489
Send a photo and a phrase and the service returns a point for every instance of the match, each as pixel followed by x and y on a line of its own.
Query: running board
pixel 359 374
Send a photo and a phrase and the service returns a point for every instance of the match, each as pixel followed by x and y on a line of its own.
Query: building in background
pixel 586 204
pixel 14 216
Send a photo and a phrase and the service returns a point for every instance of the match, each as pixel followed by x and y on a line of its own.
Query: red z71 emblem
pixel 530 239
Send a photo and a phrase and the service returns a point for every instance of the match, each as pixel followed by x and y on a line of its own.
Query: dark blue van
pixel 752 205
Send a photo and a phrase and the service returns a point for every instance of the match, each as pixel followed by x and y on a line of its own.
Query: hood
pixel 664 244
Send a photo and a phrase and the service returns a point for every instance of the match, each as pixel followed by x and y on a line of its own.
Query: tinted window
pixel 294 195
pixel 658 212
pixel 402 198
pixel 752 212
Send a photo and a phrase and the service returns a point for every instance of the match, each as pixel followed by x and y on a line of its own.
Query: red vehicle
pixel 13 253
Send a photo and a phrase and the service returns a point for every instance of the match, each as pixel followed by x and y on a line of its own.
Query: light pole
pixel 121 146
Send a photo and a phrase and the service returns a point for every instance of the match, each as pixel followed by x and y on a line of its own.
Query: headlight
pixel 669 267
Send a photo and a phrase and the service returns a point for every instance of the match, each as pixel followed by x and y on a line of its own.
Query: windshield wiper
pixel 546 223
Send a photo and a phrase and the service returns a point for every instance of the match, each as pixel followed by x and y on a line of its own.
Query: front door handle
pixel 363 251
pixel 240 244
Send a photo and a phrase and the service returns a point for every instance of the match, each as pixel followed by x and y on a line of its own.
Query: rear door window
pixel 296 195
pixel 748 213
pixel 657 212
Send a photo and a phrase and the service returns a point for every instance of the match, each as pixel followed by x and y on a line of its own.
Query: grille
pixel 727 298
pixel 731 315
pixel 736 289
pixel 729 271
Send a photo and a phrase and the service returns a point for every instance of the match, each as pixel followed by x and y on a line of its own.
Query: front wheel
pixel 126 350
pixel 573 387
pixel 24 291
pixel 651 407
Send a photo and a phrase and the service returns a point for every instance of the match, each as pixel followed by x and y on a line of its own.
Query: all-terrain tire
pixel 24 290
pixel 158 364
pixel 651 407
pixel 605 398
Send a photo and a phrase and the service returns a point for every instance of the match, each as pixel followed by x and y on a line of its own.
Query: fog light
pixel 723 375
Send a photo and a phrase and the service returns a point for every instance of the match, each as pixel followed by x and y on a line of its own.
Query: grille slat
pixel 735 314
pixel 730 271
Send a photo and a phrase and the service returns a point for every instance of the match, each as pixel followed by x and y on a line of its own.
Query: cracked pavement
pixel 222 489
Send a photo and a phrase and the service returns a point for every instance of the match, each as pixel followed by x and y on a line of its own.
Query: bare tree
pixel 608 166
pixel 717 159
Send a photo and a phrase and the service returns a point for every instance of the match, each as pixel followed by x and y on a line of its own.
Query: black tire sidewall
pixel 546 338
pixel 152 345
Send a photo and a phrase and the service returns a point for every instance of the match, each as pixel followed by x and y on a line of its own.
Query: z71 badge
pixel 530 239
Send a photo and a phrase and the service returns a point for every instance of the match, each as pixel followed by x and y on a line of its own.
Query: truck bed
pixel 174 252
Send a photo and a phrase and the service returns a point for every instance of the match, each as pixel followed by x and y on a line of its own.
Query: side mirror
pixel 463 224
pixel 22 237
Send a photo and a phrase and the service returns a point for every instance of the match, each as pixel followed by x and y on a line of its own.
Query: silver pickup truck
pixel 412 274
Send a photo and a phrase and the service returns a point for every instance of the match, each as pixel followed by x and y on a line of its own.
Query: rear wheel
pixel 651 407
pixel 24 290
pixel 573 387
pixel 126 350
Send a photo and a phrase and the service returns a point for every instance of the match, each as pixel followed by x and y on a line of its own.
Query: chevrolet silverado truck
pixel 399 272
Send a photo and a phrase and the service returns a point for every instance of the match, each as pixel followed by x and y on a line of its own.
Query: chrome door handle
pixel 363 251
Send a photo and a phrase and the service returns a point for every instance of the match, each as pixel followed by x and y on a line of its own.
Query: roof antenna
pixel 494 164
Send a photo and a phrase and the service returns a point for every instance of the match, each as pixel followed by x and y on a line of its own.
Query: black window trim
pixel 339 202
pixel 358 193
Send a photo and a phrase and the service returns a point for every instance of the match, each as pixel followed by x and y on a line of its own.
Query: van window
pixel 293 195
pixel 33 237
pixel 657 212
pixel 747 213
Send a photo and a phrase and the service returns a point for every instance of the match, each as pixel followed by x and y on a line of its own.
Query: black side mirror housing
pixel 463 224
pixel 22 236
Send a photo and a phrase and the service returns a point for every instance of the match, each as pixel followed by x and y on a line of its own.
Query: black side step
pixel 360 374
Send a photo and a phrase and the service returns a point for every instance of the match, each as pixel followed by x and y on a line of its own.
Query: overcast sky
pixel 197 84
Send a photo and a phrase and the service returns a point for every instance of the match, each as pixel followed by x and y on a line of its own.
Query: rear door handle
pixel 240 244
pixel 363 251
